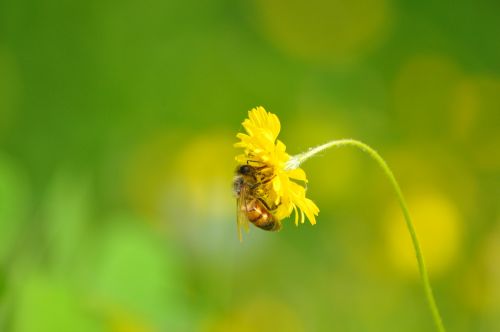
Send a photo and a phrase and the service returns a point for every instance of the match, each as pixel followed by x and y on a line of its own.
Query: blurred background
pixel 117 121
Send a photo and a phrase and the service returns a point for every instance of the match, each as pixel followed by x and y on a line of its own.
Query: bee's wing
pixel 241 216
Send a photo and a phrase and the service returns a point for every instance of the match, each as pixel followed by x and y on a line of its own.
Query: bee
pixel 250 206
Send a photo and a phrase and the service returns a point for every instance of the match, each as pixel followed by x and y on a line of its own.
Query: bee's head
pixel 245 170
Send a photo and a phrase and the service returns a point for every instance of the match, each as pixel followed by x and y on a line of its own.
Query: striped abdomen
pixel 259 215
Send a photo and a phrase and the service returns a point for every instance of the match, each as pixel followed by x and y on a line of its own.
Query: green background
pixel 117 121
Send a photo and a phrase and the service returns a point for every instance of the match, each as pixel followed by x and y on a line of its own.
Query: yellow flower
pixel 278 189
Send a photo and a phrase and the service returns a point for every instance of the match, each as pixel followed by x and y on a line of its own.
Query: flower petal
pixel 298 174
pixel 261 145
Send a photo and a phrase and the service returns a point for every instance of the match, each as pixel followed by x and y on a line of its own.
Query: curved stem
pixel 295 162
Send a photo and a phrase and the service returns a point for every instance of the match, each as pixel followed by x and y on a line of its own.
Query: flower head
pixel 278 187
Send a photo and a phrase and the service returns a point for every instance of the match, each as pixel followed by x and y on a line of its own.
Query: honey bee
pixel 250 206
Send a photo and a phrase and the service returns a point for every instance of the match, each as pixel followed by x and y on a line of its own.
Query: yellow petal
pixel 296 215
pixel 297 174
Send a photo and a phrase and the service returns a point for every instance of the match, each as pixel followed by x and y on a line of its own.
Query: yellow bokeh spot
pixel 198 204
pixel 261 314
pixel 491 261
pixel 324 31
pixel 475 106
pixel 466 105
pixel 485 134
pixel 439 229
pixel 128 322
pixel 479 286
pixel 187 181
pixel 146 173
pixel 424 94
pixel 203 172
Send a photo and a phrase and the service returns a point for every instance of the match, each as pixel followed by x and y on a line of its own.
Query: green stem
pixel 295 161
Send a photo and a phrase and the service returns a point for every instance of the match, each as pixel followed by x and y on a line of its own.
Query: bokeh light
pixel 440 229
pixel 325 31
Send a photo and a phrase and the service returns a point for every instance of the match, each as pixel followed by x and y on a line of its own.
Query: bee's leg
pixel 257 162
pixel 253 186
pixel 265 204
pixel 253 161
pixel 268 180
pixel 262 182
